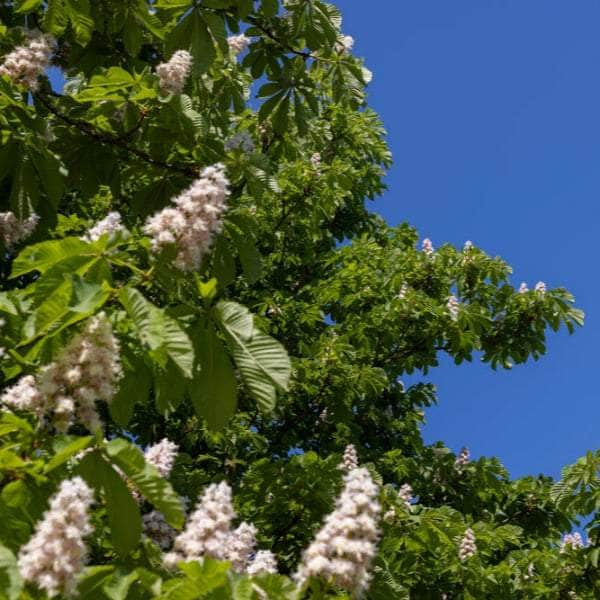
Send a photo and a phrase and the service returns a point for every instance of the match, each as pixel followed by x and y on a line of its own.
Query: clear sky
pixel 493 115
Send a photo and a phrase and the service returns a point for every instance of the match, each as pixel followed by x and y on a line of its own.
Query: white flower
pixel 194 221
pixel 345 43
pixel 523 289
pixel 240 546
pixel 403 291
pixel 427 247
pixel 262 563
pixel 13 230
pixel 346 544
pixel 208 528
pixel 238 43
pixel 162 455
pixel 540 286
pixel 572 541
pixel 463 458
pixel 174 73
pixel 349 459
pixel 26 63
pixel 111 225
pixel 25 395
pixel 468 245
pixel 315 160
pixel 405 494
pixel 55 556
pixel 467 547
pixel 85 371
pixel 453 306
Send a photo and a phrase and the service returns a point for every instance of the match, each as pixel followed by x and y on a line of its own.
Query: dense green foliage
pixel 287 344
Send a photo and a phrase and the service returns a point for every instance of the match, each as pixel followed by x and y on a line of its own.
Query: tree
pixel 190 268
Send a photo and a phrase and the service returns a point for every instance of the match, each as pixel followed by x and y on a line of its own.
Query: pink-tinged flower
pixel 540 287
pixel 523 289
pixel 13 229
pixel 194 221
pixel 240 546
pixel 238 43
pixel 111 225
pixel 174 73
pixel 345 546
pixel 263 562
pixel 463 458
pixel 55 556
pixel 26 63
pixel 162 455
pixel 453 306
pixel 467 547
pixel 349 459
pixel 427 247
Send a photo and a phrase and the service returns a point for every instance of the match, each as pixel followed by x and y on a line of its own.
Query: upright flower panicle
pixel 453 307
pixel 26 63
pixel 345 43
pixel 264 562
pixel 197 216
pixel 572 541
pixel 349 459
pixel 173 74
pixel 523 289
pixel 111 225
pixel 463 458
pixel 540 287
pixel 13 229
pixel 208 528
pixel 468 245
pixel 346 544
pixel 467 547
pixel 85 371
pixel 55 555
pixel 240 546
pixel 427 247
pixel 162 455
pixel 240 141
pixel 238 43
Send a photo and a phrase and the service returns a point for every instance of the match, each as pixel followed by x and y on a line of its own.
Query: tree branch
pixel 119 142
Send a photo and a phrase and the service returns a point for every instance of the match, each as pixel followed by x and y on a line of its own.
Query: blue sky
pixel 493 115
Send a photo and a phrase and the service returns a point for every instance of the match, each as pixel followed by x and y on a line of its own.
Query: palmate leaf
pixel 262 361
pixel 40 257
pixel 160 332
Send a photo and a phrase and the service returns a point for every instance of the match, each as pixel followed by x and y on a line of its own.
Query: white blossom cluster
pixel 13 229
pixel 540 286
pixel 240 546
pixel 427 247
pixel 195 219
pixel 162 455
pixel 463 458
pixel 346 544
pixel 26 63
pixel 55 555
pixel 574 541
pixel 467 547
pixel 263 562
pixel 349 459
pixel 207 530
pixel 238 43
pixel 173 74
pixel 345 43
pixel 468 245
pixel 315 160
pixel 240 141
pixel 523 289
pixel 453 306
pixel 405 494
pixel 85 371
pixel 111 225
pixel 403 291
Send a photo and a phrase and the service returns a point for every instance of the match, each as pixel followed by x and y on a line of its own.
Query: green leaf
pixel 213 390
pixel 87 297
pixel 78 12
pixel 11 583
pixel 192 34
pixel 249 256
pixel 263 362
pixel 134 388
pixel 270 7
pixel 40 257
pixel 123 512
pixel 158 330
pixel 154 488
pixel 27 5
pixel 169 388
pixel 66 453
pixel 91 581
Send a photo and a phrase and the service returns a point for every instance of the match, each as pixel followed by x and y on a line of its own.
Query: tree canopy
pixel 204 328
